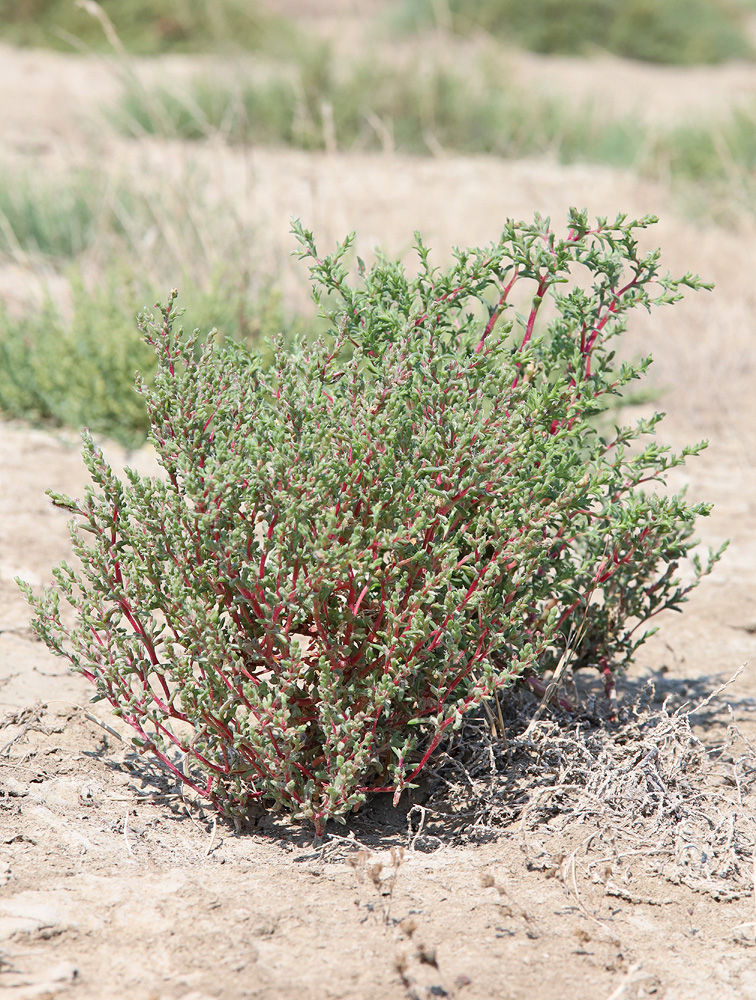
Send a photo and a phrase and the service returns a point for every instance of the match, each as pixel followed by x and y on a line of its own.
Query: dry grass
pixel 642 794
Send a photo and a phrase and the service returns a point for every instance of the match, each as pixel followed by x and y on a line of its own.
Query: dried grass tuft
pixel 642 794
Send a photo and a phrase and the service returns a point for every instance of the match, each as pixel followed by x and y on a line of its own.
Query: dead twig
pixel 126 833
pixel 632 976
pixel 212 836
pixel 29 719
pixel 103 725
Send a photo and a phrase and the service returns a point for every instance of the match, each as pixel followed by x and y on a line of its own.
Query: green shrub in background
pixel 681 32
pixel 320 102
pixel 353 548
pixel 673 31
pixel 78 371
pixel 145 27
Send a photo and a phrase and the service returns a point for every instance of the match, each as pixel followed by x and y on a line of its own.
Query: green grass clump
pixel 680 32
pixel 59 217
pixel 78 371
pixel 372 105
pixel 712 151
pixel 261 111
pixel 144 27
pixel 48 217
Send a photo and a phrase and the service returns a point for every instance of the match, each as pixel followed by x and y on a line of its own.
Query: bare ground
pixel 112 885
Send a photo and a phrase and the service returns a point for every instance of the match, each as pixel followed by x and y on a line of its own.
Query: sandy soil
pixel 111 885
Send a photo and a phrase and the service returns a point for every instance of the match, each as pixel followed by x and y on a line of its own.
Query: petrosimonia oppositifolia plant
pixel 353 548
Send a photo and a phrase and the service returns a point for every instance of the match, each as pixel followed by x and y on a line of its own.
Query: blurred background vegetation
pixel 144 27
pixel 678 32
pixel 432 78
pixel 670 31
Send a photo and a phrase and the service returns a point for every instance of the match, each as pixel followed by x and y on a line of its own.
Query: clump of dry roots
pixel 643 791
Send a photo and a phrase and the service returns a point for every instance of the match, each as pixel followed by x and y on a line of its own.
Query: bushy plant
pixel 351 550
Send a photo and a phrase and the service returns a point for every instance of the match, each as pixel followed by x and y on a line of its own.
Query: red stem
pixel 496 312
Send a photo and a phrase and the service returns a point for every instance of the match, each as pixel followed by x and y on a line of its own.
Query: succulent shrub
pixel 356 546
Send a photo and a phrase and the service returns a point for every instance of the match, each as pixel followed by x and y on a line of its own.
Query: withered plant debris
pixel 645 791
